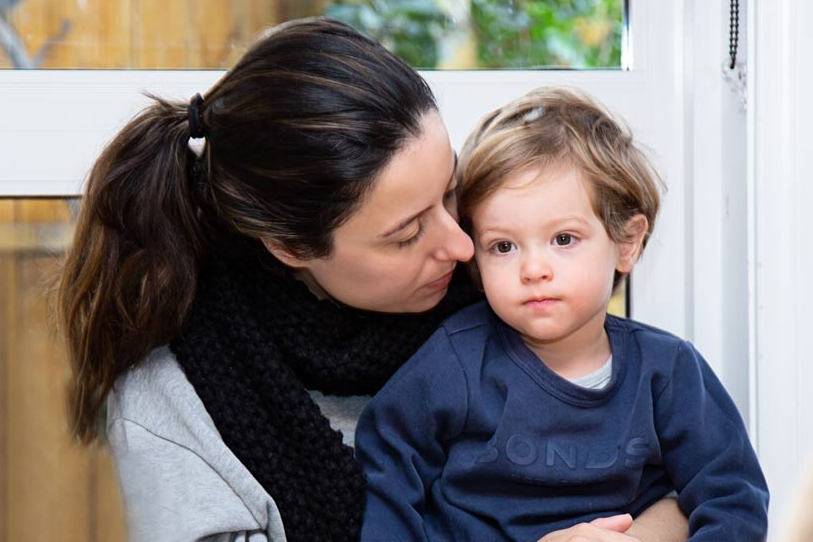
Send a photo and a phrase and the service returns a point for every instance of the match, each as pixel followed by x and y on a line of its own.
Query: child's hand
pixel 619 523
pixel 610 529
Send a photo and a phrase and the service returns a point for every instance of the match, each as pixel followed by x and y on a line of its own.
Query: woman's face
pixel 396 253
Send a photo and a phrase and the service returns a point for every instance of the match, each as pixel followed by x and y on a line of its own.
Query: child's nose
pixel 535 267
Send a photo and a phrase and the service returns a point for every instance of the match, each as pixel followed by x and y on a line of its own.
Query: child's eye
pixel 502 247
pixel 563 239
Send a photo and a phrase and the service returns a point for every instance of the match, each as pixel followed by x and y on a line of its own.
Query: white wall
pixel 749 221
pixel 781 220
pixel 716 183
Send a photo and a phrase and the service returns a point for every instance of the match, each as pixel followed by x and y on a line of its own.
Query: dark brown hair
pixel 296 133
pixel 555 125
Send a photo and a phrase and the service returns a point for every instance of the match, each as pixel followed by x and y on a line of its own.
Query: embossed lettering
pixel 637 450
pixel 567 454
pixel 601 458
pixel 520 450
pixel 490 455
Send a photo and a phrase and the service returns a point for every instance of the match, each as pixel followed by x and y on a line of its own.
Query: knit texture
pixel 257 333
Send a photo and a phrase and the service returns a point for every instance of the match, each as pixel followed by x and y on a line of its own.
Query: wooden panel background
pixel 50 488
pixel 171 34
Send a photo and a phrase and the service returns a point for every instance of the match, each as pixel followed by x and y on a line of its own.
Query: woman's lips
pixel 441 283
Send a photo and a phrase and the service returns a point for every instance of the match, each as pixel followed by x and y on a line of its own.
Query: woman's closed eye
pixel 413 238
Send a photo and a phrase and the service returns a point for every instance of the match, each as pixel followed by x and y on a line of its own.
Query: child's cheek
pixel 490 274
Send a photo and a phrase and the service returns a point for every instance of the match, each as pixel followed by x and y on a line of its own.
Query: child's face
pixel 545 260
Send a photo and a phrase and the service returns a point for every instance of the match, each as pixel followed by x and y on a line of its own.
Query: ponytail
pixel 129 279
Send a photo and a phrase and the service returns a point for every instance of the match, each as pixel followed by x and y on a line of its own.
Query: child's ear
pixel 630 250
pixel 280 252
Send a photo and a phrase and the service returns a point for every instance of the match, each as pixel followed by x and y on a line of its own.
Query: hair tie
pixel 196 130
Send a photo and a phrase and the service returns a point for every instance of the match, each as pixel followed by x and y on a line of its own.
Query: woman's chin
pixel 428 301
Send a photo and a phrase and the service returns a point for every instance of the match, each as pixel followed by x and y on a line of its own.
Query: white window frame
pixel 781 256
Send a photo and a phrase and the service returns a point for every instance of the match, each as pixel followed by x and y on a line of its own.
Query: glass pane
pixel 619 301
pixel 444 34
pixel 42 472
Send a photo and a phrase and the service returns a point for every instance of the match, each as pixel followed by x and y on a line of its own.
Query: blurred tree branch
pixel 12 43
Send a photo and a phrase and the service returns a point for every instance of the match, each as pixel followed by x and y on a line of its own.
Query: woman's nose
pixel 454 244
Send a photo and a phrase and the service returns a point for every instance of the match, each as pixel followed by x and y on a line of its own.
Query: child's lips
pixel 541 302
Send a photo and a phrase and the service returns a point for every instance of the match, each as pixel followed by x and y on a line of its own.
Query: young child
pixel 537 410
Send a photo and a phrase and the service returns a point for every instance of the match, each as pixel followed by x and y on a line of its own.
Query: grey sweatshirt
pixel 179 480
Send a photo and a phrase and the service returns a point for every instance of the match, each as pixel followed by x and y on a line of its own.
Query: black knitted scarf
pixel 256 340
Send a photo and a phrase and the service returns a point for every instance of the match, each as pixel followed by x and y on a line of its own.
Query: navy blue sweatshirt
pixel 475 439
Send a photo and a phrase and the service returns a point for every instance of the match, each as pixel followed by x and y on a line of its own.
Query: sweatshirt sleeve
pixel 171 494
pixel 400 440
pixel 707 453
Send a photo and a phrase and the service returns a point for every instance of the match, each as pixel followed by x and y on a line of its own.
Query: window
pixel 208 34
pixel 55 122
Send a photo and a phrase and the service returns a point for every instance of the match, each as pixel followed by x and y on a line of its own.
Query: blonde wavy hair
pixel 552 126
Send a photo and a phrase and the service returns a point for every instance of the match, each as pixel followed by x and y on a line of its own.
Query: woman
pixel 235 309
